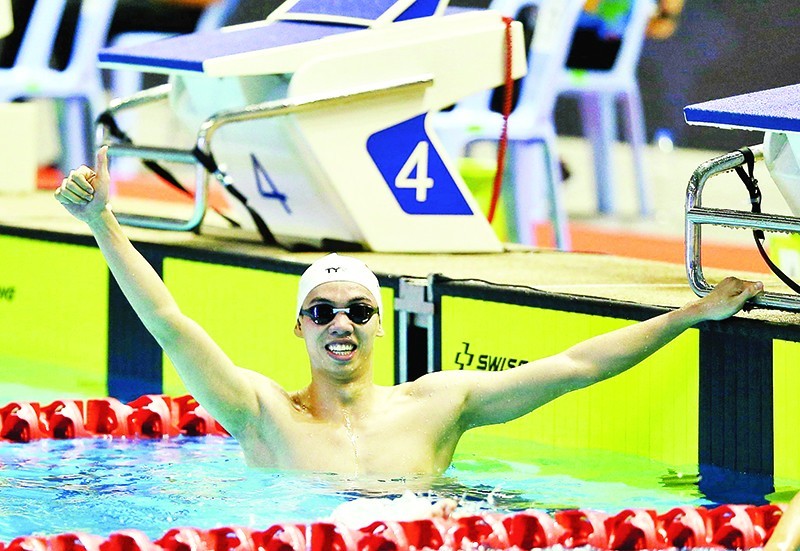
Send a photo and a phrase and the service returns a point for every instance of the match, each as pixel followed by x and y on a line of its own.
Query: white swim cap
pixel 338 268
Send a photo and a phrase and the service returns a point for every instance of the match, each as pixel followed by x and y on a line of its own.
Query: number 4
pixel 417 163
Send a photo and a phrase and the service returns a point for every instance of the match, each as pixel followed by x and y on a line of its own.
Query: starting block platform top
pixel 190 52
pixel 282 42
pixel 775 110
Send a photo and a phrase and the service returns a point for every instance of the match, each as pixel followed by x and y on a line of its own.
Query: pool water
pixel 103 486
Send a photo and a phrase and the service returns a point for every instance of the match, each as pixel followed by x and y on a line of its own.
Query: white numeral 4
pixel 417 160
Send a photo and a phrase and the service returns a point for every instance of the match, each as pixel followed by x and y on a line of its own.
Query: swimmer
pixel 343 422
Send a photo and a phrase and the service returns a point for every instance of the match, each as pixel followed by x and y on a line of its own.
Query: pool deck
pixel 615 278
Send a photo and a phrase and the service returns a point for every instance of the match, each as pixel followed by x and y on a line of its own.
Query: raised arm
pixel 499 397
pixel 224 389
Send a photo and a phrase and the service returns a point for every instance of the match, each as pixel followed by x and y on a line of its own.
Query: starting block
pixel 776 112
pixel 319 117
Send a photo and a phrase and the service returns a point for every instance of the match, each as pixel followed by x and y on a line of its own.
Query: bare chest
pixel 395 444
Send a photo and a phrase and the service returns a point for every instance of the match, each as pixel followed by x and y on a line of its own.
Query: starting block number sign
pixel 414 170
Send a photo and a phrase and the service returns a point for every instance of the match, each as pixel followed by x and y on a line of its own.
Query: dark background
pixel 720 49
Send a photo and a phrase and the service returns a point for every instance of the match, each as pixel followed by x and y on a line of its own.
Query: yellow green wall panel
pixel 53 320
pixel 650 410
pixel 250 314
pixel 786 408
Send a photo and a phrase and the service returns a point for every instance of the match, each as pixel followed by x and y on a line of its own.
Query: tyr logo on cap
pixel 334 267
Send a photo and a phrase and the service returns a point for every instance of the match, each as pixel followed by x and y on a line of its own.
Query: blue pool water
pixel 102 486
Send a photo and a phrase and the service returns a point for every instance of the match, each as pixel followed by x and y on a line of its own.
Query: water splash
pixel 348 427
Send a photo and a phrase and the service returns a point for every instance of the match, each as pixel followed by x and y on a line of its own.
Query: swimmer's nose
pixel 341 323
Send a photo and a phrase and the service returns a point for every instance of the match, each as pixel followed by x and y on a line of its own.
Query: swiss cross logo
pixel 484 362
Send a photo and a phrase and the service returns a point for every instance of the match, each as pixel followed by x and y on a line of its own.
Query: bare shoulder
pixel 267 390
pixel 260 380
pixel 440 381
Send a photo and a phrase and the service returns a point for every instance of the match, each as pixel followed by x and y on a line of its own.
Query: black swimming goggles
pixel 323 314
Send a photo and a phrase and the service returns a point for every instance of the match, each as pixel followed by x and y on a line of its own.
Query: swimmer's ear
pixel 298 329
pixel 379 332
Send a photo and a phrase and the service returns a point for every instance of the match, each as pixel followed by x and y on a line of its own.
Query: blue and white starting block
pixel 319 115
pixel 776 112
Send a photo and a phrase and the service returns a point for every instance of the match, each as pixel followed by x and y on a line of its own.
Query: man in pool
pixel 343 422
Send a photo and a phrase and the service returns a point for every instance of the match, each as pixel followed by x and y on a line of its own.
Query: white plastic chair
pixel 78 87
pixel 598 92
pixel 531 127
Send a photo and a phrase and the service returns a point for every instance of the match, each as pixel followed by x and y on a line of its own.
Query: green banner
pixel 786 408
pixel 650 410
pixel 53 321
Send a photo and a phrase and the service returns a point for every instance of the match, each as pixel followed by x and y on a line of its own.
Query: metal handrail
pixel 697 216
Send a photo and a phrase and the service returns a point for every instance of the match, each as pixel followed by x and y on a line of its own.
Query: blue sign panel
pixel 414 171
pixel 420 8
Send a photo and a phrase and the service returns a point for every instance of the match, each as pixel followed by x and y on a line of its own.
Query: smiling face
pixel 341 347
